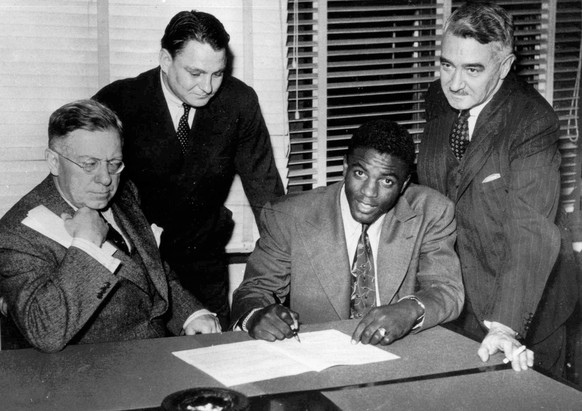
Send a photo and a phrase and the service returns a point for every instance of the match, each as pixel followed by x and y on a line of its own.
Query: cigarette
pixel 516 352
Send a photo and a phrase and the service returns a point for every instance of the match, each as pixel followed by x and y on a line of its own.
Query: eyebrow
pixel 470 65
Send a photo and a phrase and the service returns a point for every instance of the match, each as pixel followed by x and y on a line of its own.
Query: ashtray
pixel 206 399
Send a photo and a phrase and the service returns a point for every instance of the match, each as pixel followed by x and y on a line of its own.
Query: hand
pixel 273 322
pixel 203 324
pixel 387 323
pixel 502 338
pixel 86 224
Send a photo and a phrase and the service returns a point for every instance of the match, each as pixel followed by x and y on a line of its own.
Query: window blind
pixel 567 72
pixel 49 51
pixel 349 62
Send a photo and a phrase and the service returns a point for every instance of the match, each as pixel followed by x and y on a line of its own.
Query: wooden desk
pixel 487 391
pixel 139 374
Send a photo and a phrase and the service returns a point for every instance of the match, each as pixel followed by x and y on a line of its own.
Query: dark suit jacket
pixel 59 295
pixel 508 242
pixel 185 195
pixel 302 255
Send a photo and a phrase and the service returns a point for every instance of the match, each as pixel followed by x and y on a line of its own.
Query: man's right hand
pixel 87 224
pixel 273 322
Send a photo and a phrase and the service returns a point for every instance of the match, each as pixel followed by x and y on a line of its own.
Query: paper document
pixel 52 226
pixel 249 361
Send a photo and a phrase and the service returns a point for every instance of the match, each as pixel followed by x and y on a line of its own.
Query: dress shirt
pixel 473 115
pixel 175 105
pixel 353 231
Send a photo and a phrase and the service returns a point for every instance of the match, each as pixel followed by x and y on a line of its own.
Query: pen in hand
pixel 296 335
pixel 295 329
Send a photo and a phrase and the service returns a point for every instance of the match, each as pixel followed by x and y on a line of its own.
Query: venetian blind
pixel 49 58
pixel 349 62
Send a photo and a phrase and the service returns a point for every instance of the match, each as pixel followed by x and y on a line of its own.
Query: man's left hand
pixel 386 323
pixel 204 324
pixel 502 338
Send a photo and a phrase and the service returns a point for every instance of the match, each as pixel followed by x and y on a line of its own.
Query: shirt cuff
pixel 420 320
pixel 195 315
pixel 103 254
pixel 502 327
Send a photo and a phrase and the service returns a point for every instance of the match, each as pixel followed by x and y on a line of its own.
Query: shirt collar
pixel 170 97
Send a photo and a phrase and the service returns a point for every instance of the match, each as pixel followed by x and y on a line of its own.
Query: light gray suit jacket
pixel 57 295
pixel 302 255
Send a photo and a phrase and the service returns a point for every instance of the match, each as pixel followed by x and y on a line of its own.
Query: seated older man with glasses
pixel 79 263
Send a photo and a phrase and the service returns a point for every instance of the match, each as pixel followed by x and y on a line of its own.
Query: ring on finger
pixel 382 332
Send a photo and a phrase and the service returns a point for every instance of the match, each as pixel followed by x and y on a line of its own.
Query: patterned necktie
pixel 363 279
pixel 459 138
pixel 116 239
pixel 184 130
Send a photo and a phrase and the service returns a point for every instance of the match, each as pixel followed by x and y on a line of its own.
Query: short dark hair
pixel 386 137
pixel 87 115
pixel 483 21
pixel 194 25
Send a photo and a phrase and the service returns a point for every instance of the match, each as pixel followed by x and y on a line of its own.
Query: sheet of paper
pixel 249 361
pixel 52 226
pixel 323 349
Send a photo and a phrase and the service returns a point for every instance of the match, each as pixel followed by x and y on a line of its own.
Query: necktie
pixel 184 130
pixel 116 239
pixel 363 280
pixel 459 138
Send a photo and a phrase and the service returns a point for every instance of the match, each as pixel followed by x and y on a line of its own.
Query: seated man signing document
pixel 79 263
pixel 374 247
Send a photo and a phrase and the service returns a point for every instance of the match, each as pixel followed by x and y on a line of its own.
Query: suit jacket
pixel 185 194
pixel 506 191
pixel 59 295
pixel 302 255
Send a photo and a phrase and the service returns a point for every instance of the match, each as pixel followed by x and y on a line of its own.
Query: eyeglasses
pixel 91 164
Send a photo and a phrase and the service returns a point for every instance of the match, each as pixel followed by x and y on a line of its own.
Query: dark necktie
pixel 363 280
pixel 116 239
pixel 459 138
pixel 184 130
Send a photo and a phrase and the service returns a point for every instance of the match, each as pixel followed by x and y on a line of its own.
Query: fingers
pixel 371 333
pixel 520 357
pixel 205 324
pixel 483 353
pixel 274 322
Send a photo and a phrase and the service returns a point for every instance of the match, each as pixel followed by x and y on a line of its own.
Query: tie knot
pixel 186 108
pixel 464 115
pixel 365 228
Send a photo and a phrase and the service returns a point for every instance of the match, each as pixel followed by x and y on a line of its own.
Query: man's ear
pixel 405 185
pixel 165 60
pixel 506 65
pixel 52 160
pixel 345 170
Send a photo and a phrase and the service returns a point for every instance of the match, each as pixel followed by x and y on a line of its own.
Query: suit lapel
pixel 485 136
pixel 397 241
pixel 138 231
pixel 324 241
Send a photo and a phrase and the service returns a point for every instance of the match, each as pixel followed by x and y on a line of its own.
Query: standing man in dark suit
pixel 189 127
pixel 506 184
pixel 373 247
pixel 79 262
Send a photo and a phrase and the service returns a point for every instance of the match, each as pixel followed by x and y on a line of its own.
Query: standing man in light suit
pixel 373 247
pixel 491 145
pixel 87 268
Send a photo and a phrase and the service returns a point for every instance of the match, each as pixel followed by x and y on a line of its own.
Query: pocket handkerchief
pixel 491 177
